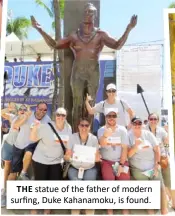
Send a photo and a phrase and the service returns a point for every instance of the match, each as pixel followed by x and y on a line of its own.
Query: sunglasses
pixel 139 123
pixel 45 110
pixel 111 116
pixel 153 119
pixel 84 125
pixel 111 91
pixel 60 115
pixel 20 109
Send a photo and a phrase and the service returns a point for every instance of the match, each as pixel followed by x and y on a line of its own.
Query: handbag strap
pixel 61 142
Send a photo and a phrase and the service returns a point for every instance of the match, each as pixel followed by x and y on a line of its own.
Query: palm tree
pixel 172 5
pixel 19 26
pixel 56 11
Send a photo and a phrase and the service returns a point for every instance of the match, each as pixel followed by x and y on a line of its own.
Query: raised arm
pixel 60 44
pixel 117 44
pixel 6 113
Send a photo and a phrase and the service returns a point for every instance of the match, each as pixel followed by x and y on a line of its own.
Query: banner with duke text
pixel 31 82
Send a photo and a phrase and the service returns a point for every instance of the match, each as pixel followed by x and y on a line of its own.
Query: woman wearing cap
pixel 7 148
pixel 114 143
pixel 48 154
pixel 111 101
pixel 83 171
pixel 162 138
pixel 144 158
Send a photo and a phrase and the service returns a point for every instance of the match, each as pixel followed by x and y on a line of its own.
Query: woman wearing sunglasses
pixel 48 155
pixel 12 113
pixel 112 101
pixel 162 138
pixel 86 139
pixel 144 158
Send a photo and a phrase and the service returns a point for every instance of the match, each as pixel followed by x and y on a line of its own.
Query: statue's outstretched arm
pixel 117 44
pixel 60 44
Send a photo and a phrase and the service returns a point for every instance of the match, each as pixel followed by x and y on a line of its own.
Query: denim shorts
pixel 18 155
pixel 6 152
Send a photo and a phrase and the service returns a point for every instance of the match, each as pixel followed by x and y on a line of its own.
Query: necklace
pixel 81 139
pixel 87 40
pixel 152 131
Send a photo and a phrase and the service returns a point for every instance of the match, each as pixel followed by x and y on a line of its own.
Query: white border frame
pixel 168 91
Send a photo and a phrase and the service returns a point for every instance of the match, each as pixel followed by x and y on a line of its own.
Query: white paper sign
pixel 64 138
pixel 148 173
pixel 83 156
pixel 114 140
pixel 145 144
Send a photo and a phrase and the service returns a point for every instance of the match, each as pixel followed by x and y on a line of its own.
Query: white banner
pixel 139 65
pixel 83 195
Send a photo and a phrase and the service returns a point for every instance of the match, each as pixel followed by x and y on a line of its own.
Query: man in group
pixel 23 148
pixel 112 101
pixel 113 140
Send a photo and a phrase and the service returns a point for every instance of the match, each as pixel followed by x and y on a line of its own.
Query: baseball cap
pixel 61 110
pixel 108 110
pixel 111 86
pixel 136 119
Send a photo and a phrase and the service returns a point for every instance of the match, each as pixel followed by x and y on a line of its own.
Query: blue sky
pixel 114 17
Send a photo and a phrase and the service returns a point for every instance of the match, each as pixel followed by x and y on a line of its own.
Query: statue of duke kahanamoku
pixel 86 43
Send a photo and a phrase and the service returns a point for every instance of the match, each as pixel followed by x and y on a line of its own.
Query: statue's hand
pixel 88 98
pixel 34 23
pixel 133 22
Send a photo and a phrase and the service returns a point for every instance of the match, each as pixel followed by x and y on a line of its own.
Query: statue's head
pixel 90 12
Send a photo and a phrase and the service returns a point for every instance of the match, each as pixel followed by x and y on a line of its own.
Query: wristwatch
pixel 121 164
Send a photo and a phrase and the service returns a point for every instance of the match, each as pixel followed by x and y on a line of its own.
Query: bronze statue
pixel 86 43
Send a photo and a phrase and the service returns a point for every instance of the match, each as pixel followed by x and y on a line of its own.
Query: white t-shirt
pixel 144 158
pixel 13 133
pixel 120 104
pixel 113 153
pixel 92 141
pixel 23 138
pixel 160 134
pixel 49 150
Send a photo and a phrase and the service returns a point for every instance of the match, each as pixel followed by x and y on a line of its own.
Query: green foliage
pixel 19 26
pixel 172 5
pixel 61 2
pixel 42 4
pixel 50 10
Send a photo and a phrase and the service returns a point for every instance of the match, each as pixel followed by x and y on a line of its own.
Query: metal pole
pixel 145 104
pixel 5 82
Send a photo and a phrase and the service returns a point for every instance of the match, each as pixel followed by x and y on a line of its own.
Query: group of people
pixel 123 151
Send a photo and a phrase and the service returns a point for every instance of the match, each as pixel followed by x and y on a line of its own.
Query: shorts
pixel 166 177
pixel 44 172
pixel 138 175
pixel 6 152
pixel 89 174
pixel 18 155
pixel 108 174
pixel 31 147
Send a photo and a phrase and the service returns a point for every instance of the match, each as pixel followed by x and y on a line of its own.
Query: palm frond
pixel 172 5
pixel 19 26
pixel 42 4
